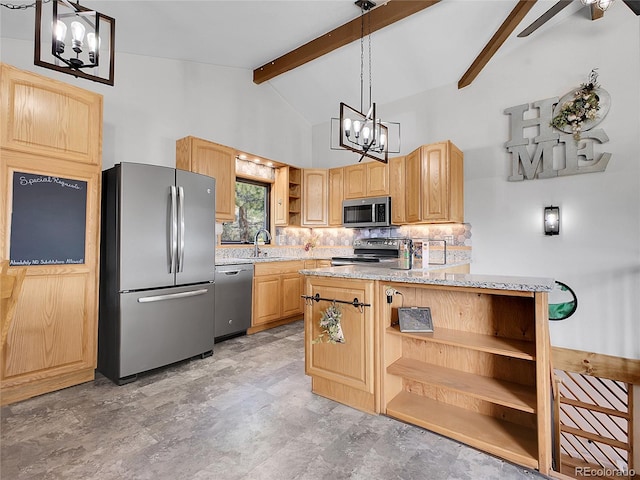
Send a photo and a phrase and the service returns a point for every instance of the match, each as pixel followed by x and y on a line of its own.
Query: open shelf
pixel 493 435
pixel 484 343
pixel 501 392
pixel 295 175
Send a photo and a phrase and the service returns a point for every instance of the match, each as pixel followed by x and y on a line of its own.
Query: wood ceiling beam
pixel 507 27
pixel 380 17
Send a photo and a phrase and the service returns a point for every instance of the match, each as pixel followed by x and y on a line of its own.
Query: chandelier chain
pixel 361 57
pixel 369 37
pixel 24 6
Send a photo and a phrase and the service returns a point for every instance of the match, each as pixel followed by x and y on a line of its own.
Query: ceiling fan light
pixel 604 4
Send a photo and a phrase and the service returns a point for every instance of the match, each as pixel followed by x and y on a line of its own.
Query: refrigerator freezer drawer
pixel 160 327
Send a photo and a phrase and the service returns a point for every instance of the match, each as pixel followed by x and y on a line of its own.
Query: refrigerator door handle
pixel 181 220
pixel 173 296
pixel 174 230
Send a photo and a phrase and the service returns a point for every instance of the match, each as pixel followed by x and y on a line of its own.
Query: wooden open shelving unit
pixel 482 377
pixel 295 196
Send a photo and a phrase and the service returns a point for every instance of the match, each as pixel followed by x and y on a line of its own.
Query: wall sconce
pixel 551 220
pixel 76 40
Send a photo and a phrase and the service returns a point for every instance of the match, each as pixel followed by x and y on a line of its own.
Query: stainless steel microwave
pixel 366 212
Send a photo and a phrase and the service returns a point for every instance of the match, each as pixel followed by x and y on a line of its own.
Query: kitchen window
pixel 251 212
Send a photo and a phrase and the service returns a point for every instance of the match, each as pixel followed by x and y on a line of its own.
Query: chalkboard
pixel 48 220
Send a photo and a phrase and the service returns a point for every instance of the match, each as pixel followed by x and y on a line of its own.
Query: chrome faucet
pixel 256 250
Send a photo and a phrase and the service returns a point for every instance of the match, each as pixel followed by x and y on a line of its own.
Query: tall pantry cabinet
pixel 51 138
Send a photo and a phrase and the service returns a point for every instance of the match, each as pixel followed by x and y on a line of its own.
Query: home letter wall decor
pixel 540 151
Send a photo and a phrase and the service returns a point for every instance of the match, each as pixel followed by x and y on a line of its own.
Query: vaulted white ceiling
pixel 431 48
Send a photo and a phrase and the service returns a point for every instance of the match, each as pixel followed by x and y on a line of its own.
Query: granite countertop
pixel 245 260
pixel 435 276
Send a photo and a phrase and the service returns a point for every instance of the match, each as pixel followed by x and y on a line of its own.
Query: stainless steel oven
pixel 373 252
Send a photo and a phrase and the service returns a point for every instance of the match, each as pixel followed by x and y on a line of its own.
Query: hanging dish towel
pixel 330 325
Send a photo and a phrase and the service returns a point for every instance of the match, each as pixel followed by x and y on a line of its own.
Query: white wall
pixel 156 101
pixel 598 250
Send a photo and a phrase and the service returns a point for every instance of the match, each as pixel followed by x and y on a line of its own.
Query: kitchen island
pixel 482 377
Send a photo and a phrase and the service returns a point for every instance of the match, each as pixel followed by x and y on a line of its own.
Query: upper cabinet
pixel 336 196
pixel 281 197
pixel 397 168
pixel 50 118
pixel 434 180
pixel 355 181
pixel 214 160
pixel 377 179
pixel 315 190
pixel 287 196
pixel 369 179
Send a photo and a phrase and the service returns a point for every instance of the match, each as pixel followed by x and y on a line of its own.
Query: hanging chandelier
pixel 76 40
pixel 365 133
pixel 601 4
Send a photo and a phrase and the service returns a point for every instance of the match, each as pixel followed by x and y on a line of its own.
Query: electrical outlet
pixel 448 239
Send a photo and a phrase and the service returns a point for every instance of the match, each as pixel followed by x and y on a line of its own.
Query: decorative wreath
pixel 330 325
pixel 583 107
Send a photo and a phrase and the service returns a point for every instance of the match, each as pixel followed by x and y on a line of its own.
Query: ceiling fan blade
pixel 634 5
pixel 544 18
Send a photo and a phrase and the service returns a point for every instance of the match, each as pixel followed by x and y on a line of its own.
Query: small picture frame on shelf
pixel 415 319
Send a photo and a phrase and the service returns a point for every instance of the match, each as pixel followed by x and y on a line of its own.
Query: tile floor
pixel 245 413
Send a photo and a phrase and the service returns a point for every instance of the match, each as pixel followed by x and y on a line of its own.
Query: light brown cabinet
pixel 277 290
pixel 397 167
pixel 344 372
pixel 288 197
pixel 281 197
pixel 369 179
pixel 295 196
pixel 435 184
pixel 482 377
pixel 336 196
pixel 214 160
pixel 51 129
pixel 355 181
pixel 315 191
pixel 377 179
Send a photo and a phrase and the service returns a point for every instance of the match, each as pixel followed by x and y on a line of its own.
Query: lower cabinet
pixel 277 294
pixel 482 377
pixel 342 371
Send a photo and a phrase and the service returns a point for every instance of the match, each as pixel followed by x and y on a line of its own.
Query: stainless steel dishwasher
pixel 234 288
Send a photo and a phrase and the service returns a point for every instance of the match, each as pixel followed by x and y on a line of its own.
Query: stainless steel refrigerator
pixel 157 269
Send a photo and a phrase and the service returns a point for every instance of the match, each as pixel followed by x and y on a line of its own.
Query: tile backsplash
pixel 330 242
pixel 457 234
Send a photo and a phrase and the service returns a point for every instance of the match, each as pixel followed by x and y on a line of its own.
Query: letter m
pixel 520 156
